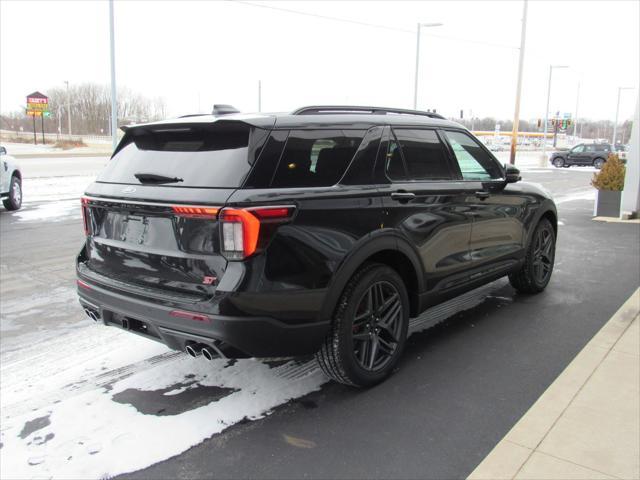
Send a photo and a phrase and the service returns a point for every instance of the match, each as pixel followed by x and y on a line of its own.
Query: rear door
pixel 424 201
pixel 497 234
pixel 151 215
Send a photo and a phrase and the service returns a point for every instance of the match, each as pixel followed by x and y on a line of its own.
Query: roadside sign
pixel 37 106
pixel 37 102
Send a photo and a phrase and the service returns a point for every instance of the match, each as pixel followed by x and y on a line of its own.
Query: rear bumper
pixel 255 336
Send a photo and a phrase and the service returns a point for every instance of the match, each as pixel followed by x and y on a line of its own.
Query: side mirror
pixel 511 174
pixel 3 151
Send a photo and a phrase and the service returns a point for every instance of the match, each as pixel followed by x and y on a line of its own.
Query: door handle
pixel 482 195
pixel 403 196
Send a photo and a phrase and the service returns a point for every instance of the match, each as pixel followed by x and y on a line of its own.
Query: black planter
pixel 607 203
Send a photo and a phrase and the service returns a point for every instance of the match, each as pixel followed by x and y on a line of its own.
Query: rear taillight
pixel 194 211
pixel 241 228
pixel 86 222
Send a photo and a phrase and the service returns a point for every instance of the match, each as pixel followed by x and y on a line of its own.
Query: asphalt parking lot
pixel 459 388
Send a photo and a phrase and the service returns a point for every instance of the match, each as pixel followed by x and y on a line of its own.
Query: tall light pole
pixel 516 113
pixel 68 108
pixel 546 114
pixel 615 125
pixel 114 100
pixel 575 120
pixel 259 95
pixel 415 90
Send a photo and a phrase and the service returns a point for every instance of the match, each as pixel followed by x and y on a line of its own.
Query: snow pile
pixel 69 407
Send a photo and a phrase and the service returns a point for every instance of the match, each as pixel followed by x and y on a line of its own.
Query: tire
pixel 536 272
pixel 558 162
pixel 598 163
pixel 14 202
pixel 361 349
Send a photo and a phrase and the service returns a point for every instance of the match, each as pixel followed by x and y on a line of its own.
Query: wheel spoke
pixel 373 352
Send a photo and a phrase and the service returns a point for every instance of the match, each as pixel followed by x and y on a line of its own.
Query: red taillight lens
pixel 195 211
pixel 85 216
pixel 82 284
pixel 198 317
pixel 241 228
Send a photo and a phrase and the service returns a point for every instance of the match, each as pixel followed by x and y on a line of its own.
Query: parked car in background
pixel 583 154
pixel 10 181
pixel 326 231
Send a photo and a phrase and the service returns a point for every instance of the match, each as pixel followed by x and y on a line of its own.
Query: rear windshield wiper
pixel 155 178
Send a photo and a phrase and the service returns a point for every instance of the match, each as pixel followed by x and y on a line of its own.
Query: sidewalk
pixel 586 425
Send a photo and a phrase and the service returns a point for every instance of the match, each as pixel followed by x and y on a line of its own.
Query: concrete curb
pixel 531 450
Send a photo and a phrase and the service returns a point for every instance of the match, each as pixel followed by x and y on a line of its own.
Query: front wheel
pixel 369 328
pixel 535 274
pixel 598 163
pixel 14 201
pixel 558 162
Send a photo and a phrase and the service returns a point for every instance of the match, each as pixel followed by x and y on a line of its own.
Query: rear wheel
pixel 535 274
pixel 14 201
pixel 558 162
pixel 598 163
pixel 369 328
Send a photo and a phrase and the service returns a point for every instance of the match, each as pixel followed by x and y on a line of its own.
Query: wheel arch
pixel 16 173
pixel 388 249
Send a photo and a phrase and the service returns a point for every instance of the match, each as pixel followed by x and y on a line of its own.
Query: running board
pixel 438 313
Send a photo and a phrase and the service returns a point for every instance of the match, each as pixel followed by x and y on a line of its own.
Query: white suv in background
pixel 10 181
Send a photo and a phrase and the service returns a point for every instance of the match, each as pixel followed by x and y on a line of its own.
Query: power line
pixel 367 24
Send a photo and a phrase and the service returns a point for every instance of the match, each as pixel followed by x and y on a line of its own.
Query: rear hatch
pixel 151 216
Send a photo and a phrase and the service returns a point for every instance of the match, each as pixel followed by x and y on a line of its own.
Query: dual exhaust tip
pixel 92 314
pixel 196 349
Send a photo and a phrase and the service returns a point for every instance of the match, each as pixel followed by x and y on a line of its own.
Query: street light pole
pixel 575 120
pixel 615 125
pixel 415 88
pixel 68 108
pixel 516 114
pixel 114 103
pixel 546 114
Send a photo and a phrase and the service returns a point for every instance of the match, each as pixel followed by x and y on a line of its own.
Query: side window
pixel 360 170
pixel 577 149
pixel 590 148
pixel 316 158
pixel 474 162
pixel 424 156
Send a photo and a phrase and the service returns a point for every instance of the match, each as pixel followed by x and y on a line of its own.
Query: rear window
pixel 199 155
pixel 316 158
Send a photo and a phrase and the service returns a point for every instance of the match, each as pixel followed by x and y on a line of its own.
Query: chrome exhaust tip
pixel 209 353
pixel 91 314
pixel 193 350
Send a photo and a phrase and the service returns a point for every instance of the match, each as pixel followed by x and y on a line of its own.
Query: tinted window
pixel 265 167
pixel 316 158
pixel 577 149
pixel 202 156
pixel 423 154
pixel 474 161
pixel 360 171
pixel 590 148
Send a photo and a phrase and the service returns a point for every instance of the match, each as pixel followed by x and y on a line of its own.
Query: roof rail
pixel 346 109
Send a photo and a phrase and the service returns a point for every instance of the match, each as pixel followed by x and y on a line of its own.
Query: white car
pixel 10 181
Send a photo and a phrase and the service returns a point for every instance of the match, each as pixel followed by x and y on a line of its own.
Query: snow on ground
pixel 97 402
pixel 52 198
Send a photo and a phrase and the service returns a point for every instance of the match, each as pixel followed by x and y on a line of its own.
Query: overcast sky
pixel 194 54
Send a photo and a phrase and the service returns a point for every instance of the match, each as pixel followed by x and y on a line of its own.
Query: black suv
pixel 585 154
pixel 319 232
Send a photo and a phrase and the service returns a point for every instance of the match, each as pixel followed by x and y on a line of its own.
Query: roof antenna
pixel 220 109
